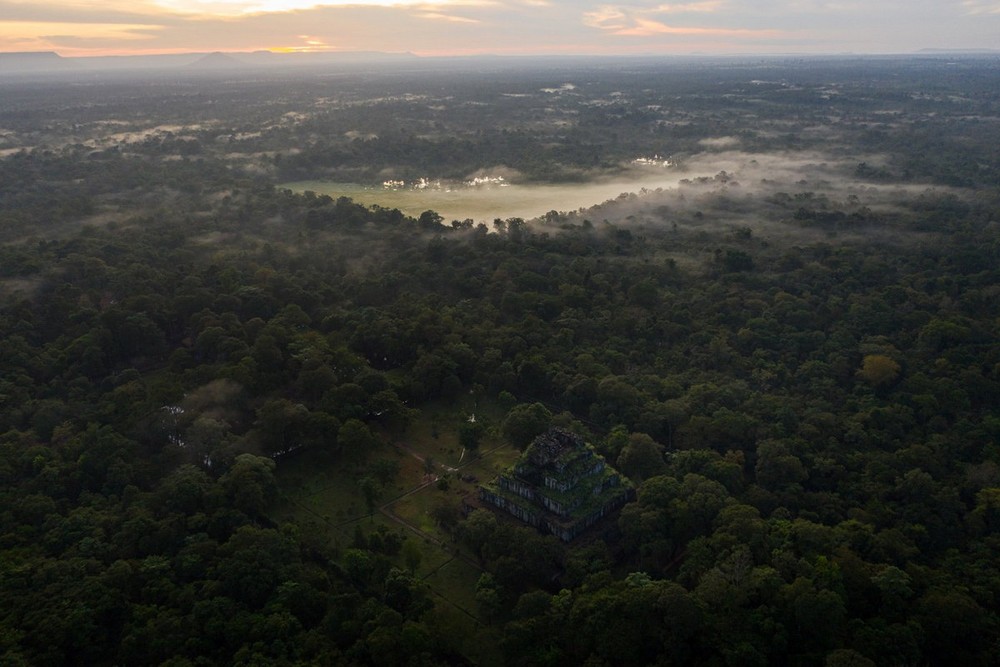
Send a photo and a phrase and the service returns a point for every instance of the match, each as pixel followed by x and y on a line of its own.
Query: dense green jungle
pixel 242 424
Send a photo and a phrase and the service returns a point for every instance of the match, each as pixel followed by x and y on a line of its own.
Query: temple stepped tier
pixel 560 484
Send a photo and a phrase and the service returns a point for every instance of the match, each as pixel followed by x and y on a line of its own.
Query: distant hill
pixel 194 62
pixel 959 51
pixel 34 61
pixel 271 59
pixel 216 61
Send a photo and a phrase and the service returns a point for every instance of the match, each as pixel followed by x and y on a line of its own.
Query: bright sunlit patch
pixel 310 44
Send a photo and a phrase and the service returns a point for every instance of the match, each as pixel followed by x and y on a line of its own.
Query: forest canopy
pixel 216 389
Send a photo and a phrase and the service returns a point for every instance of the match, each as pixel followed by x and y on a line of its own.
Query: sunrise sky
pixel 460 27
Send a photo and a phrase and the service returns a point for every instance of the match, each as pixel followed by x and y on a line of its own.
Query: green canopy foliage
pixel 802 381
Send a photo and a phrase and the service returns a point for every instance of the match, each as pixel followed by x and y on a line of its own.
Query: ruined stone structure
pixel 560 484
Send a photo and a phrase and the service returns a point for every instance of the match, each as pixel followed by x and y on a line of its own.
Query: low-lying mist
pixel 806 193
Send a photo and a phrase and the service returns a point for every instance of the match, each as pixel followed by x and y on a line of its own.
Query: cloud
pixel 606 18
pixel 441 27
pixel 978 7
pixel 246 7
pixel 79 11
pixel 709 6
pixel 12 7
pixel 633 21
pixel 438 16
pixel 646 28
pixel 51 30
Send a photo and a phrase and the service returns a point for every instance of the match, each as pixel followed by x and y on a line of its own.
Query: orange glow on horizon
pixel 581 50
pixel 302 49
pixel 44 36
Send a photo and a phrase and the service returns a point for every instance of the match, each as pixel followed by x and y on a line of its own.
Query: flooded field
pixel 484 203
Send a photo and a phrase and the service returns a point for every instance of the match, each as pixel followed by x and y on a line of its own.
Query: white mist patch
pixel 783 170
pixel 729 183
pixel 485 201
pixel 720 142
pixel 565 88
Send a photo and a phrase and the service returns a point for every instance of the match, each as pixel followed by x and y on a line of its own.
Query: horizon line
pixel 540 54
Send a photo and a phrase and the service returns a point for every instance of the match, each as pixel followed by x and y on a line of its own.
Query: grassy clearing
pixel 329 493
pixel 489 462
pixel 412 472
pixel 454 201
pixel 415 510
pixel 432 556
pixel 435 437
pixel 455 584
pixel 323 499
pixel 455 581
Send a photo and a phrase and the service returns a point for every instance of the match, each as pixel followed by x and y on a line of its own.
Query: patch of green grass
pixel 439 442
pixel 458 614
pixel 415 509
pixel 435 432
pixel 489 462
pixel 322 497
pixel 456 582
pixel 432 556
pixel 411 475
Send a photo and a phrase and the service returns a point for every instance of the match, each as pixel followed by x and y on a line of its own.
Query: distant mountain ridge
pixel 34 61
pixel 23 63
pixel 27 62
pixel 959 51
pixel 217 60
